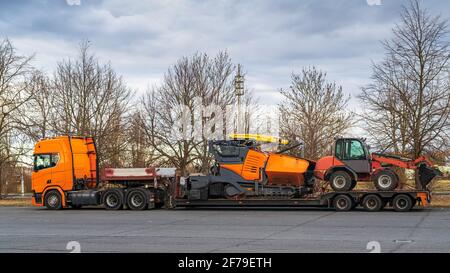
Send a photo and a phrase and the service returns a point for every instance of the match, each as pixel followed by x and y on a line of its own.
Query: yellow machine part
pixel 286 170
pixel 261 138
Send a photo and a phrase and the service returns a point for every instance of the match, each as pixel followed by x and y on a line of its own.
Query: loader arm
pixel 424 166
pixel 402 162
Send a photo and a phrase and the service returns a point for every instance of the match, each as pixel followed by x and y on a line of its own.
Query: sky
pixel 271 39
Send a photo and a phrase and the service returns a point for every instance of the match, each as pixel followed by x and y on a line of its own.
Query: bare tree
pixel 37 114
pixel 314 111
pixel 190 86
pixel 91 99
pixel 140 153
pixel 14 70
pixel 408 103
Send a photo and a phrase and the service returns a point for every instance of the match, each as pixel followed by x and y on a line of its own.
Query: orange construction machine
pixel 351 162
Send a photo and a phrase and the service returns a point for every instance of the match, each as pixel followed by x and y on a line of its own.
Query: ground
pixel 30 229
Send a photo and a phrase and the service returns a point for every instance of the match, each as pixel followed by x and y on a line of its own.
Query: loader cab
pixel 354 153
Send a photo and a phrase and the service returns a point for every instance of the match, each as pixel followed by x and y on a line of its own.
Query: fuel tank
pixel 286 170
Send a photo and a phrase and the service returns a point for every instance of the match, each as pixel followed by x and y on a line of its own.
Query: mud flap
pixel 426 174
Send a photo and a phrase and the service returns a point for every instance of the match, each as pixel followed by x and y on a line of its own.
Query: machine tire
pixel 137 199
pixel 343 202
pixel 402 203
pixel 341 181
pixel 53 200
pixel 372 202
pixel 385 180
pixel 113 199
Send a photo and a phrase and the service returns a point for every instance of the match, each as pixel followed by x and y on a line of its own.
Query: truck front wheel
pixel 113 199
pixel 137 200
pixel 53 200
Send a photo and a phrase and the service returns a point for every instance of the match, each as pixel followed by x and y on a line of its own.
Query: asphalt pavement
pixel 31 229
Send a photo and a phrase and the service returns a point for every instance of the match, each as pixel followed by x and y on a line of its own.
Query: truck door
pixel 59 172
pixel 42 172
pixel 353 154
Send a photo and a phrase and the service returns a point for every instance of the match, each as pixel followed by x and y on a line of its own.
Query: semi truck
pixel 66 174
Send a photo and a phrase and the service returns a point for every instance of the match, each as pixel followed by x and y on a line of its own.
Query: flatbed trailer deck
pixel 327 200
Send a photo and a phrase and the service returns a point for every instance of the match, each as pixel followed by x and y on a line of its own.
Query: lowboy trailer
pixel 66 175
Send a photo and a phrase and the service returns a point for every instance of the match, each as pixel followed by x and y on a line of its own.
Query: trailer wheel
pixel 113 199
pixel 137 199
pixel 53 200
pixel 372 202
pixel 341 181
pixel 343 202
pixel 385 180
pixel 402 203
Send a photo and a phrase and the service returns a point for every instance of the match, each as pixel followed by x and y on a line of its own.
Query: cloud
pixel 271 39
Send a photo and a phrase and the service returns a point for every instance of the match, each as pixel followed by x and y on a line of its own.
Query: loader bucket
pixel 426 174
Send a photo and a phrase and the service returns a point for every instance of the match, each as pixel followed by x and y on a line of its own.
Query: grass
pixel 440 201
pixel 15 202
pixel 440 185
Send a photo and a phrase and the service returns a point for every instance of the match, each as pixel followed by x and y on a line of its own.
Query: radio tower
pixel 239 92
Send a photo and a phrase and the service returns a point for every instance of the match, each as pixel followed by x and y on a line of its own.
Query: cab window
pixel 350 150
pixel 227 151
pixel 44 161
pixel 356 150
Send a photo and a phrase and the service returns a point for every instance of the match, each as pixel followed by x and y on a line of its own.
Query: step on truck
pixel 66 175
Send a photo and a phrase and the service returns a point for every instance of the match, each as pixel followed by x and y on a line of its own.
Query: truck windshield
pixel 44 161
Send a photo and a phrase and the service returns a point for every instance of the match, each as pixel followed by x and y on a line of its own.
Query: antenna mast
pixel 239 92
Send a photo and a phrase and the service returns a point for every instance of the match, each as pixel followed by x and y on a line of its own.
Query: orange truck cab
pixel 62 164
pixel 66 174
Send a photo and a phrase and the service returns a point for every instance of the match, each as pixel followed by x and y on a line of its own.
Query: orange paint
pixel 60 174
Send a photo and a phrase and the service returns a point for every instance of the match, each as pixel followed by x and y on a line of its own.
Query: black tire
pixel 372 202
pixel 137 199
pixel 402 203
pixel 53 200
pixel 385 180
pixel 113 199
pixel 343 202
pixel 341 181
